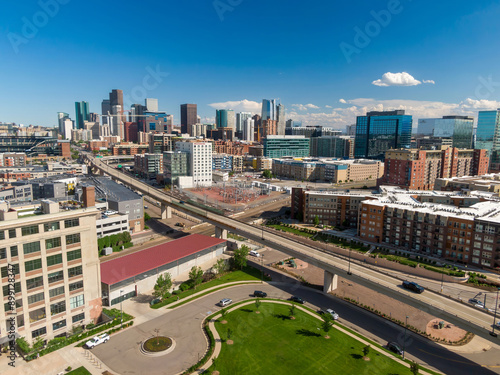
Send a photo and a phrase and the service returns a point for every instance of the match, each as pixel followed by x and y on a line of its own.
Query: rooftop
pixel 107 188
pixel 119 269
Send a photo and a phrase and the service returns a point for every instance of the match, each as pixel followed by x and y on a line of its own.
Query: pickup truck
pixel 413 286
pixel 97 340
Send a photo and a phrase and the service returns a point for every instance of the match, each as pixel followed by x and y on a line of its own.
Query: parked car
pixel 476 303
pixel 413 286
pixel 332 313
pixel 97 340
pixel 395 348
pixel 259 293
pixel 254 253
pixel 182 202
pixel 145 207
pixel 225 301
pixel 297 299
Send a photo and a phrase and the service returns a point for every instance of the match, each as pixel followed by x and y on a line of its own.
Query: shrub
pixel 176 292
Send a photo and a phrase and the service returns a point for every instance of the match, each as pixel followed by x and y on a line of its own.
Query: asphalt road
pixel 183 324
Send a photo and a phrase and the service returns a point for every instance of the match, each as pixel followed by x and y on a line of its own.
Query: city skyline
pixel 339 61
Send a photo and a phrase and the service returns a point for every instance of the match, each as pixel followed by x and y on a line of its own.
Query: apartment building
pixel 200 161
pixel 55 261
pixel 418 169
pixel 489 182
pixel 148 165
pixel 125 148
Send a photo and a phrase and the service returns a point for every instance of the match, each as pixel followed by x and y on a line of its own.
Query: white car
pixel 97 340
pixel 254 253
pixel 332 313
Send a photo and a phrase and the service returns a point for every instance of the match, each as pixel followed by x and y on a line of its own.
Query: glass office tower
pixel 487 134
pixel 380 131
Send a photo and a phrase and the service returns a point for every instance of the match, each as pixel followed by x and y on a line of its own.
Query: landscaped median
pixel 253 337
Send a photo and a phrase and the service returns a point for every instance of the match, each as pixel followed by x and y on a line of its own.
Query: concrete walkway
pixel 218 341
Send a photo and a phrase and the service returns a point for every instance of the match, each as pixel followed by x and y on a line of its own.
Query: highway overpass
pixel 463 315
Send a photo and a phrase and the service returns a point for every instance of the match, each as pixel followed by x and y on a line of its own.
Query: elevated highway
pixel 463 315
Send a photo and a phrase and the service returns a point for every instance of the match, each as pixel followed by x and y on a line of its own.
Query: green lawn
pixel 79 371
pixel 248 273
pixel 291 230
pixel 271 343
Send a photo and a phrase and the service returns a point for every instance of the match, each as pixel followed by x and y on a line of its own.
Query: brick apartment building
pixel 418 169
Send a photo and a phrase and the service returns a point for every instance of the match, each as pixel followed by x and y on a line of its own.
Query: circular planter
pixel 150 347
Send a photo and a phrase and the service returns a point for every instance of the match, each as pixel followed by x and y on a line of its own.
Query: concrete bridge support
pixel 330 282
pixel 166 212
pixel 221 233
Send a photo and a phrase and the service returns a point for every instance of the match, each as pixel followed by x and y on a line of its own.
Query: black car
pixel 395 348
pixel 297 299
pixel 259 293
pixel 413 286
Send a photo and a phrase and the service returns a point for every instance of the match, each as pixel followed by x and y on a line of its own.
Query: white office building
pixel 248 129
pixel 200 161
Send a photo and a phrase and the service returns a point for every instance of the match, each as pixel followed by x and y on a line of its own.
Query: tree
pixel 240 256
pixel 257 304
pixel 414 367
pixel 327 323
pixel 220 266
pixel 292 309
pixel 146 216
pixel 267 173
pixel 366 350
pixel 196 276
pixel 316 221
pixel 163 285
pixel 223 313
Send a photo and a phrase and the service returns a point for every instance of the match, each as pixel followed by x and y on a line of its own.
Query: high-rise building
pixel 105 111
pixel 240 119
pixel 331 146
pixel 61 117
pixel 225 118
pixel 189 116
pixel 487 136
pixel 116 98
pixel 200 161
pixel 457 128
pixel 151 104
pixel 269 109
pixel 280 117
pixel 293 124
pixel 278 146
pixel 248 129
pixel 82 113
pixel 418 169
pixel 380 131
pixel 350 129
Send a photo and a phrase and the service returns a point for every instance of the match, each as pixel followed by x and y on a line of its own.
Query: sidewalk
pixel 218 342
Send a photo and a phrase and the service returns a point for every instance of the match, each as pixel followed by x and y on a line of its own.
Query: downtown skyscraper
pixel 189 116
pixel 81 113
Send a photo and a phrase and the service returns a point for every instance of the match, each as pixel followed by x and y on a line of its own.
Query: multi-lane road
pixel 455 312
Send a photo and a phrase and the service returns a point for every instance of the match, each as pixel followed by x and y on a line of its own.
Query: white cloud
pixel 305 107
pixel 239 106
pixel 342 101
pixel 398 79
pixel 328 106
pixel 429 81
pixel 340 117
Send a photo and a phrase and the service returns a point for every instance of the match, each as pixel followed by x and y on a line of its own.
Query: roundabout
pixel 157 346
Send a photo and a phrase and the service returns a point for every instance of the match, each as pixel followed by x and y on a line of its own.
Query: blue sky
pixel 234 53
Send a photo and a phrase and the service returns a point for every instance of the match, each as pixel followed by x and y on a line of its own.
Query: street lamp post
pixel 121 306
pixel 262 269
pixel 404 340
pixel 442 280
pixel 492 333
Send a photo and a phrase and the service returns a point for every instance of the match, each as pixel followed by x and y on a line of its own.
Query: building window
pixel 3 253
pixel 55 276
pixel 75 271
pixel 52 243
pixel 37 314
pixel 31 265
pixel 31 247
pixel 71 223
pixel 58 325
pixel 17 289
pixel 72 238
pixel 36 298
pixel 76 301
pixel 57 308
pixel 13 251
pixel 2 235
pixel 5 271
pixel 75 254
pixel 48 227
pixel 38 332
pixel 12 233
pixel 77 318
pixel 56 291
pixel 34 282
pixel 29 230
pixel 75 286
pixel 54 259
